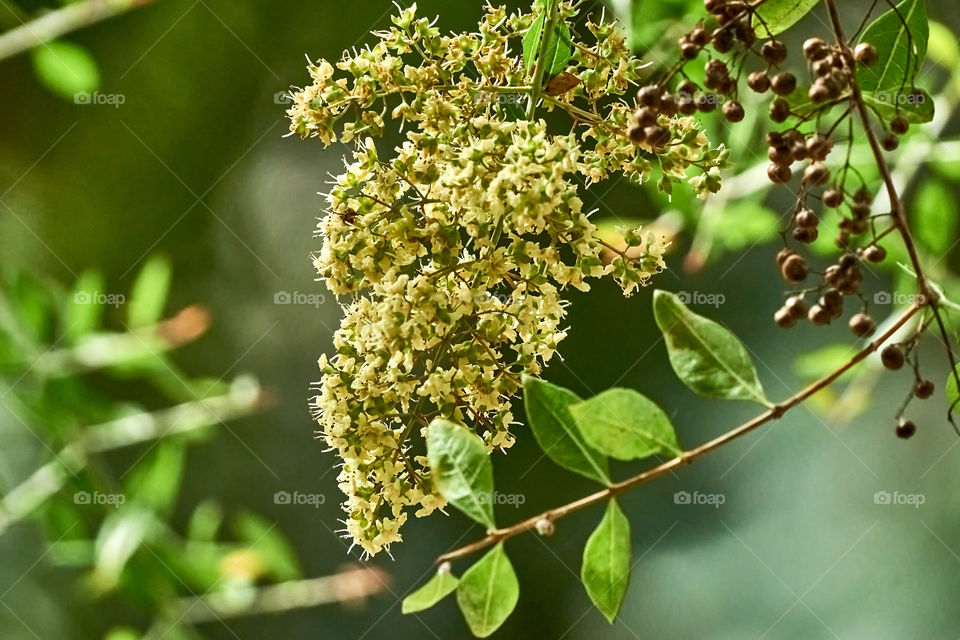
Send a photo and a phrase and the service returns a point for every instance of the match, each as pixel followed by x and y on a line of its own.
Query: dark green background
pixel 193 166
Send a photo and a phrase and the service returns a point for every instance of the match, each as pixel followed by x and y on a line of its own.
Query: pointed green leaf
pixel 558 50
pixel 626 425
pixel 776 16
pixel 952 393
pixel 461 469
pixel 548 413
pixel 67 69
pixel 149 293
pixel 488 592
pixel 439 587
pixel 706 356
pixel 900 37
pixel 606 562
pixel 83 310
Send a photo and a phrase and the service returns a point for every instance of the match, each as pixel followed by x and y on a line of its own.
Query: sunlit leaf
pixel 706 356
pixel 66 68
pixel 900 37
pixel 488 592
pixel 149 293
pixel 776 16
pixel 606 562
pixel 461 469
pixel 548 414
pixel 625 425
pixel 439 587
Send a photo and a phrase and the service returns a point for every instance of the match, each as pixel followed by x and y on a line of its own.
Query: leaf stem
pixel 685 458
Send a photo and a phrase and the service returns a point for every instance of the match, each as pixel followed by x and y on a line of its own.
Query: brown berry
pixel 733 111
pixel 779 110
pixel 865 54
pixel 923 389
pixel 795 269
pixel 758 81
pixel 783 318
pixel 906 429
pixel 796 307
pixel 819 316
pixel 814 49
pixel 875 253
pixel 832 198
pixel 890 142
pixel 699 37
pixel 649 96
pixel 899 125
pixel 806 218
pixel 816 173
pixel 783 83
pixel 805 235
pixel 774 51
pixel 656 136
pixel 892 357
pixel 779 173
pixel 862 325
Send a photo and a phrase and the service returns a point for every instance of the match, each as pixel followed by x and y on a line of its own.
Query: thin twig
pixel 52 25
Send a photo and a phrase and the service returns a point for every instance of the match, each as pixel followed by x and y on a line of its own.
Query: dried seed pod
pixel 899 125
pixel 805 235
pixel 806 218
pixel 649 96
pixel 818 315
pixel 816 173
pixel 890 142
pixel 784 319
pixel 796 306
pixel 815 49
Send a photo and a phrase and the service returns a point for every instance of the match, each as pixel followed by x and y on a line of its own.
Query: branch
pixel 688 457
pixel 929 294
pixel 62 21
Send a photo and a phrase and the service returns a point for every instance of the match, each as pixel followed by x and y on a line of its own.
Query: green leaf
pixel 606 562
pixel 625 425
pixel 461 469
pixel 149 293
pixel 916 106
pixel 272 547
pixel 559 47
pixel 951 388
pixel 706 356
pixel 935 216
pixel 776 16
pixel 155 482
pixel 488 592
pixel 900 37
pixel 744 223
pixel 65 68
pixel 83 310
pixel 438 588
pixel 548 413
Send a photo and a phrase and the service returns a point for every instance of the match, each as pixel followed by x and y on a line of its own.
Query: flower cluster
pixel 450 255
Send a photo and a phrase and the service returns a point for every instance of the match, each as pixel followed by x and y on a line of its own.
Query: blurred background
pixel 160 325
